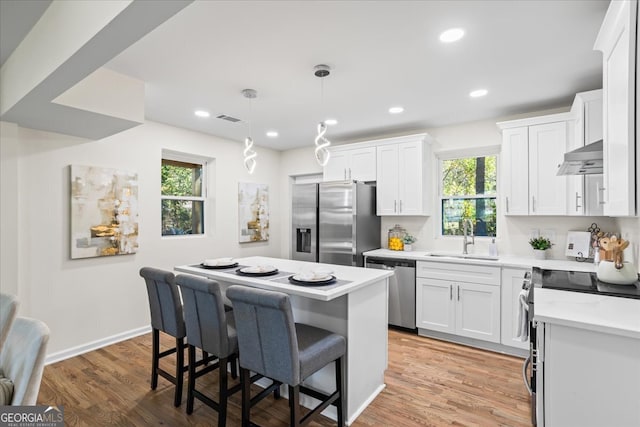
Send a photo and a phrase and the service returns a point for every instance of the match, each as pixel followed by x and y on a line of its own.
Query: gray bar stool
pixel 166 316
pixel 273 345
pixel 212 329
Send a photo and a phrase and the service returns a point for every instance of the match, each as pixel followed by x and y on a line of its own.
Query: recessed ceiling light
pixel 201 113
pixel 272 134
pixel 478 93
pixel 452 35
pixel 331 122
pixel 396 110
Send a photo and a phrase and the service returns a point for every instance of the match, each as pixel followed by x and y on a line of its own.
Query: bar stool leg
pixel 294 405
pixel 223 392
pixel 245 380
pixel 191 385
pixel 155 357
pixel 340 387
pixel 179 371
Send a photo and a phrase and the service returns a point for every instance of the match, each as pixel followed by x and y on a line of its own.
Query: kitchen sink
pixel 462 256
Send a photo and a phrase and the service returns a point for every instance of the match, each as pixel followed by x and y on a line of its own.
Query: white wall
pixel 630 229
pixel 88 300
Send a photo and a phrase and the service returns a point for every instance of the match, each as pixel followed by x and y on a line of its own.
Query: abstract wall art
pixel 253 212
pixel 104 211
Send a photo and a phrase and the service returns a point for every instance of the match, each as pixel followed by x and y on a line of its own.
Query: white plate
pixel 311 278
pixel 258 269
pixel 219 262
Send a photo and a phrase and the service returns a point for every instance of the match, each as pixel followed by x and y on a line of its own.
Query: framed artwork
pixel 253 212
pixel 104 212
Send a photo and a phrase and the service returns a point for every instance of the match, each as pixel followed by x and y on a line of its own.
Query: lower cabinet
pixel 512 279
pixel 459 299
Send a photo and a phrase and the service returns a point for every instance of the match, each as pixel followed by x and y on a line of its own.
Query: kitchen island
pixel 355 306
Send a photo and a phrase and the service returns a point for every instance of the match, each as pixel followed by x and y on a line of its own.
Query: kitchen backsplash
pixel 513 233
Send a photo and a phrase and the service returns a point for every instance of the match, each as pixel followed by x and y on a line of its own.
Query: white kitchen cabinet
pixel 547 191
pixel 515 171
pixel 458 299
pixel 511 285
pixel 348 163
pixel 403 172
pixel 617 40
pixel 532 151
pixel 585 191
pixel 591 378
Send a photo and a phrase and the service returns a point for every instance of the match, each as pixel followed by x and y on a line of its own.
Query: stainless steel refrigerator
pixel 334 222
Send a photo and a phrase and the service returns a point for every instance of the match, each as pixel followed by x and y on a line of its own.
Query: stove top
pixel 579 281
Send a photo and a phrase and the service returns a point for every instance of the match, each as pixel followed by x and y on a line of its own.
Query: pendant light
pixel 322 144
pixel 249 153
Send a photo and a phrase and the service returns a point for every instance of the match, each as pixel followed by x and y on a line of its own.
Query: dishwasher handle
pixel 391 263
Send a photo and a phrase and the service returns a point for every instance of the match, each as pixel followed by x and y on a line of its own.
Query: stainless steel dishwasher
pixel 402 289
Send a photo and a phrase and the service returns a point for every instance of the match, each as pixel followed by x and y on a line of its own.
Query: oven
pixel 573 281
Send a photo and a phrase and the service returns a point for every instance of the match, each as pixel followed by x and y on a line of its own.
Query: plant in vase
pixel 408 240
pixel 540 245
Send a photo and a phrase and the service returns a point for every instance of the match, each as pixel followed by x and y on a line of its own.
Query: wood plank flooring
pixel 429 383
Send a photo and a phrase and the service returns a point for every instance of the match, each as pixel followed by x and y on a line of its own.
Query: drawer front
pixel 459 272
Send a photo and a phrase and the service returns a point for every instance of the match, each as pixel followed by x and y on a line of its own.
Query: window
pixel 468 191
pixel 182 196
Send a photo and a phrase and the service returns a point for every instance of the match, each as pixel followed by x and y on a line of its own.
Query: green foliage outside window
pixel 182 201
pixel 469 192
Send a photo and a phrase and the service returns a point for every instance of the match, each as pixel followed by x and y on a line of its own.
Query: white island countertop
pixel 601 313
pixel 348 278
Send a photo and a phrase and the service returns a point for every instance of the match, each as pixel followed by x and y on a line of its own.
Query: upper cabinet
pixel 586 191
pixel 403 171
pixel 346 162
pixel 532 151
pixel 617 41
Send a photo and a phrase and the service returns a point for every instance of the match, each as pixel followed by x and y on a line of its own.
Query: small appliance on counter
pixel 578 244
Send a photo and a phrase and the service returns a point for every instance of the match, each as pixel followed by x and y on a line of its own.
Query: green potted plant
pixel 408 240
pixel 540 245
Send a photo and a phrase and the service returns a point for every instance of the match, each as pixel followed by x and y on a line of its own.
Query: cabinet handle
pixel 395 206
pixel 345 174
pixel 349 173
pixel 600 190
pixel 400 206
pixel 458 292
pixel 506 200
pixel 577 198
pixel 533 203
pixel 451 292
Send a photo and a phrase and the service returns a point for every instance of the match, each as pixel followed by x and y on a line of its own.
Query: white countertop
pixel 501 261
pixel 601 313
pixel 356 276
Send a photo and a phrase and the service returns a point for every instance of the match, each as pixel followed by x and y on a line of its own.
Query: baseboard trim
pixel 94 345
pixel 366 403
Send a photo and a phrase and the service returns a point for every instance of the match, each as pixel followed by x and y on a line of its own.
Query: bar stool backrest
pixel 204 313
pixel 164 302
pixel 266 333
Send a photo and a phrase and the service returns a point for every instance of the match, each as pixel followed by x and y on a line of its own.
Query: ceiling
pixel 529 55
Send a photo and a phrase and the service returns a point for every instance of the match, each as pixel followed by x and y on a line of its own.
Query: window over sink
pixel 468 189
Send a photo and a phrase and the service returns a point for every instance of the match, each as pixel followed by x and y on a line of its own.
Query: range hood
pixel 585 160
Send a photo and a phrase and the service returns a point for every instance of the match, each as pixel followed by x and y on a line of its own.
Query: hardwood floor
pixel 429 383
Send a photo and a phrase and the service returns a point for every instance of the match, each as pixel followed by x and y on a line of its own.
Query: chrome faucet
pixel 467 227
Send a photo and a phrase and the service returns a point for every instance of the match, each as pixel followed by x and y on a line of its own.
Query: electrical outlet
pixel 533 233
pixel 550 234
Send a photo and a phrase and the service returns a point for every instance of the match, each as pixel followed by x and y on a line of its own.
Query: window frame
pixel 493 150
pixel 177 156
